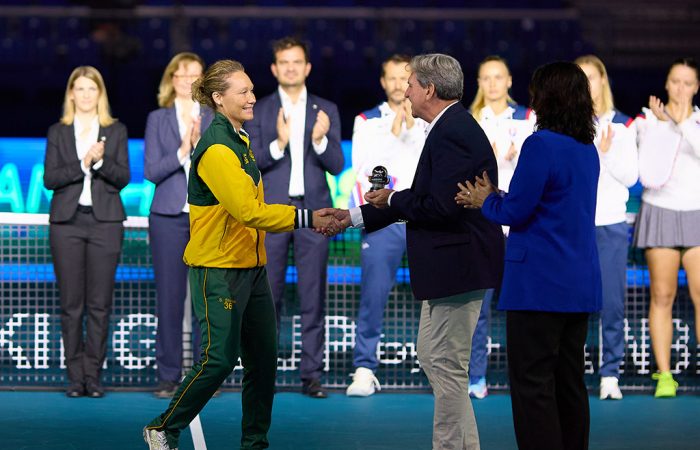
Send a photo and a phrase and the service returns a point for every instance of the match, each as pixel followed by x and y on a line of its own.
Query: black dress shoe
pixel 75 390
pixel 94 389
pixel 313 389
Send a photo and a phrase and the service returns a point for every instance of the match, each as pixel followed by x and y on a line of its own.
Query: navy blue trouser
pixel 168 237
pixel 479 357
pixel 612 242
pixel 380 257
pixel 311 261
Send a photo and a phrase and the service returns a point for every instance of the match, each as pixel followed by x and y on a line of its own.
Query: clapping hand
pixel 658 108
pixel 321 127
pixel 606 140
pixel 196 132
pixel 94 154
pixel 283 129
pixel 473 195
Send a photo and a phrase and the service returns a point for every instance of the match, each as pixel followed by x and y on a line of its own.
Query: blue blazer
pixel 551 255
pixel 275 173
pixel 451 250
pixel 161 165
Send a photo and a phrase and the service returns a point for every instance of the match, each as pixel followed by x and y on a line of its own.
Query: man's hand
pixel 398 121
pixel 321 127
pixel 283 127
pixel 408 114
pixel 325 222
pixel 379 199
pixel 342 216
pixel 606 140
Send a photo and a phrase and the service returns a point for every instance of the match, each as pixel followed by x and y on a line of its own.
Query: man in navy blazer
pixel 455 255
pixel 295 137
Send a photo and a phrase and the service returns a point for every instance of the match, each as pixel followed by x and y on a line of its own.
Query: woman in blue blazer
pixel 170 134
pixel 552 276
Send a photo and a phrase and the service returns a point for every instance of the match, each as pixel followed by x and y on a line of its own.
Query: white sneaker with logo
pixel 609 389
pixel 364 383
pixel 156 440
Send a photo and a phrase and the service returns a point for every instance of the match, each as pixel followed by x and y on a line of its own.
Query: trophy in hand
pixel 379 178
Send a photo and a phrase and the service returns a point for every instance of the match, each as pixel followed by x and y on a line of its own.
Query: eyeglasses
pixel 185 77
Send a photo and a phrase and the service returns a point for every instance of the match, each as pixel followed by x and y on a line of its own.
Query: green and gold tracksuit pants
pixel 236 315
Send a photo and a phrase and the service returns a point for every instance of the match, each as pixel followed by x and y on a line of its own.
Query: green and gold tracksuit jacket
pixel 228 214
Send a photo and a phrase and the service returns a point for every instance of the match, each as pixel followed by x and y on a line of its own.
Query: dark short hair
pixel 688 62
pixel 288 42
pixel 396 59
pixel 561 98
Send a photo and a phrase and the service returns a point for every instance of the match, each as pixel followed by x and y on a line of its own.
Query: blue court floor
pixel 49 420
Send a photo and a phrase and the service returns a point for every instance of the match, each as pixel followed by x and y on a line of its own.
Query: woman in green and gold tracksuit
pixel 226 256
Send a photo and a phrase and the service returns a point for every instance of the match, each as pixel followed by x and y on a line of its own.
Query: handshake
pixel 331 221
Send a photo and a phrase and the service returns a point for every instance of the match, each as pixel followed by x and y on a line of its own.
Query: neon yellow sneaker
pixel 665 385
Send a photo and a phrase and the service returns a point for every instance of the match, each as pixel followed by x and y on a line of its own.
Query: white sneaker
pixel 363 383
pixel 479 390
pixel 156 440
pixel 609 389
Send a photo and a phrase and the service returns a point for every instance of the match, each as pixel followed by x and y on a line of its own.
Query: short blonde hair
pixel 607 103
pixel 166 91
pixel 104 115
pixel 480 99
pixel 214 80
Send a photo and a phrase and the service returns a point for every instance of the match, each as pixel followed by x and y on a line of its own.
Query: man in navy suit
pixel 295 137
pixel 455 255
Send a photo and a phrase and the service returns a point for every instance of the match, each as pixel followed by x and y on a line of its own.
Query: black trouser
pixel 545 366
pixel 85 255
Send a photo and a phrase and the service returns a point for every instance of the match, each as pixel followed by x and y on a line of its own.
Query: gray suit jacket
pixel 161 165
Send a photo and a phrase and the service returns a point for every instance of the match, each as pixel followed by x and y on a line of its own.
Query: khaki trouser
pixel 444 346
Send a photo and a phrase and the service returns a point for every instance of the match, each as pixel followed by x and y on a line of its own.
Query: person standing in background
pixel 86 165
pixel 171 134
pixel 667 225
pixel 617 150
pixel 386 135
pixel 506 125
pixel 295 137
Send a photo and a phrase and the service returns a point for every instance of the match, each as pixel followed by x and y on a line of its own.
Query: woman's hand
pixel 606 140
pixel 473 195
pixel 658 108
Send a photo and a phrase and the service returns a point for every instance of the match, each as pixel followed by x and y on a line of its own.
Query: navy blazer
pixel 275 173
pixel 161 164
pixel 451 250
pixel 63 174
pixel 551 254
